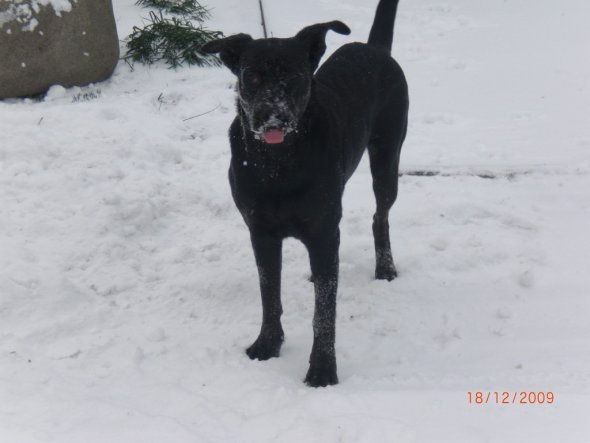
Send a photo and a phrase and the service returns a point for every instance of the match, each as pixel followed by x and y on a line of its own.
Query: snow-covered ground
pixel 128 290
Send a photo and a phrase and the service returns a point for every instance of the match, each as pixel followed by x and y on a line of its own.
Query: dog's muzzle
pixel 270 118
pixel 274 128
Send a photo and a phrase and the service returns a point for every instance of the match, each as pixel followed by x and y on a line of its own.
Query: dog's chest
pixel 288 218
pixel 290 213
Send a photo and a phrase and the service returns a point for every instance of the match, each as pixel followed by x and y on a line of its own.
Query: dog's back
pixel 364 77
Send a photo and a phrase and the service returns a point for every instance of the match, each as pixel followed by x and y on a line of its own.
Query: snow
pixel 128 290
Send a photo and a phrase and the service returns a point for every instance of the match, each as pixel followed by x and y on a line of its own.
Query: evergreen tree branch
pixel 174 40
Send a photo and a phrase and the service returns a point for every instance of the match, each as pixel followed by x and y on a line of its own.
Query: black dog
pixel 295 142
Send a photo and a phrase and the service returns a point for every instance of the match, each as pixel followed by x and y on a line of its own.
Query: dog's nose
pixel 274 117
pixel 285 120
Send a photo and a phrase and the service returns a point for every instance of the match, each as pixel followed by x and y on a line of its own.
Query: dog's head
pixel 274 76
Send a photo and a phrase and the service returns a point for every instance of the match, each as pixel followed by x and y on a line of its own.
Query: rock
pixel 48 42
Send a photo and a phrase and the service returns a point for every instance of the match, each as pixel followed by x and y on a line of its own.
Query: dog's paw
pixel 385 273
pixel 321 373
pixel 265 347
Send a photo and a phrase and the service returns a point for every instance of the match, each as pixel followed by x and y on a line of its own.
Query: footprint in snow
pixel 526 279
pixel 433 119
pixel 455 65
pixel 442 8
pixel 439 244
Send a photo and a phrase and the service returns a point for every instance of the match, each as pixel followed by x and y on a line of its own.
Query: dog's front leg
pixel 323 254
pixel 267 251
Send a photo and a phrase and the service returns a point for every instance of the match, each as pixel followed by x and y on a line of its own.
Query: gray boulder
pixel 49 42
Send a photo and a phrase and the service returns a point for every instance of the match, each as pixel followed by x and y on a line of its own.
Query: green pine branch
pixel 174 40
pixel 187 8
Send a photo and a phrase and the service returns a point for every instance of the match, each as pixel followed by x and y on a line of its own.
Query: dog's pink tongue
pixel 274 136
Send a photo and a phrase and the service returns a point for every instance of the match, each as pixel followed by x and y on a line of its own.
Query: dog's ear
pixel 315 37
pixel 230 49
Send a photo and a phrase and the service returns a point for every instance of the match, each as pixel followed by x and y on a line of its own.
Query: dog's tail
pixel 382 30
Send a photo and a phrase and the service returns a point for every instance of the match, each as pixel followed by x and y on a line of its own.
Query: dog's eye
pixel 252 79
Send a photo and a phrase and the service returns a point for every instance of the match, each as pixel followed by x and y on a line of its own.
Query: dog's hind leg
pixel 384 154
pixel 267 251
